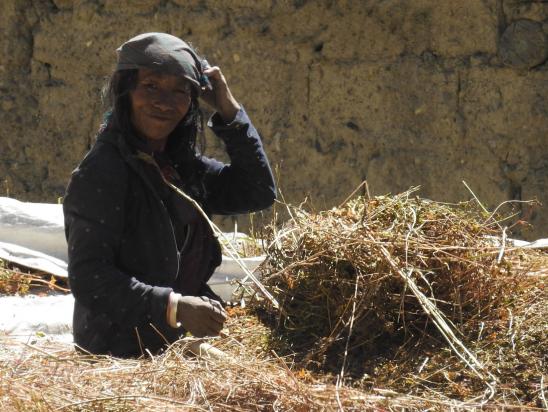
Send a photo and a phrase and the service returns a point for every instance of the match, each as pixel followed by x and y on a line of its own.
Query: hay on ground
pixel 45 376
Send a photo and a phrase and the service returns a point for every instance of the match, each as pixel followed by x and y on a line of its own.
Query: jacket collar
pixel 130 154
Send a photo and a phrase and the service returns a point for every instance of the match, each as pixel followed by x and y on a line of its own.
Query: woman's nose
pixel 163 100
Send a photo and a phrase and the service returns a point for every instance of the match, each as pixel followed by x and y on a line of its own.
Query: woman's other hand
pixel 219 96
pixel 200 315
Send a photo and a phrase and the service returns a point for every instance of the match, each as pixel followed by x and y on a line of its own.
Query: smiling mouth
pixel 160 117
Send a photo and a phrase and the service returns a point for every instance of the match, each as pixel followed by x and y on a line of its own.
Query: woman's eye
pixel 149 86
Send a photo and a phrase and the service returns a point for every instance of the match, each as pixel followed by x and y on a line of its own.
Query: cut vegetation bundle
pixel 384 289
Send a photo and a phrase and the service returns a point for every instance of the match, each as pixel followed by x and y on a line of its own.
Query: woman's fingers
pixel 217 80
pixel 218 305
pixel 217 312
pixel 214 74
pixel 201 316
pixel 217 318
pixel 218 87
pixel 208 327
pixel 219 96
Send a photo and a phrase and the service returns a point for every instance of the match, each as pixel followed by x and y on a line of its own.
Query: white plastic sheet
pixel 537 244
pixel 33 259
pixel 32 235
pixel 24 318
pixel 35 226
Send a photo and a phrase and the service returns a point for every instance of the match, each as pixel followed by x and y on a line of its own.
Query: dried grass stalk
pixel 15 281
pixel 51 376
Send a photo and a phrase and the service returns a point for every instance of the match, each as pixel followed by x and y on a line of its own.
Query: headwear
pixel 163 52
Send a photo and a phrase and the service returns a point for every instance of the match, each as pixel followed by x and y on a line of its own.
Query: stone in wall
pixel 523 44
pixel 401 93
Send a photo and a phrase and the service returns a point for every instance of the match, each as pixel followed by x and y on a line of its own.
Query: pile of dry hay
pixel 414 295
pixel 46 376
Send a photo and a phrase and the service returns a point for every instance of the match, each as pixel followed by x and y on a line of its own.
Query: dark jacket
pixel 132 240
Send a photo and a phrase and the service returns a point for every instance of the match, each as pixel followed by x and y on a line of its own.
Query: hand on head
pixel 219 96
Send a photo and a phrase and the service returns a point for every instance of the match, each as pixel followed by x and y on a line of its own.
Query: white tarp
pixel 25 317
pixel 35 226
pixel 32 235
pixel 537 244
pixel 32 259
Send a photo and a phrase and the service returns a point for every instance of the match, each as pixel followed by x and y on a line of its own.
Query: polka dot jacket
pixel 132 240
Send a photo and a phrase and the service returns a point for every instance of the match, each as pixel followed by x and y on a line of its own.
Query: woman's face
pixel 158 103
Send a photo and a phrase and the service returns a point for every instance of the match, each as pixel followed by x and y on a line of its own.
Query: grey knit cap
pixel 162 52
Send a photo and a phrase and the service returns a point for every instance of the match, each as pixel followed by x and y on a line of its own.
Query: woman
pixel 140 254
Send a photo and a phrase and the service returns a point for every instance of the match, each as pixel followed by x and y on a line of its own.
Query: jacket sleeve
pixel 94 220
pixel 246 184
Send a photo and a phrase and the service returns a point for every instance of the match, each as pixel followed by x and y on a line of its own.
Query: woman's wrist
pixel 172 310
pixel 229 110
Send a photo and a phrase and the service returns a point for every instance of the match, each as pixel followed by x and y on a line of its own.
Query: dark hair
pixel 182 140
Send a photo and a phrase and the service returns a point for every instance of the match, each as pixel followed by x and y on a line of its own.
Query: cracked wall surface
pixel 401 93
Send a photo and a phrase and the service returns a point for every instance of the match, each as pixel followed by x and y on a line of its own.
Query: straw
pixel 386 280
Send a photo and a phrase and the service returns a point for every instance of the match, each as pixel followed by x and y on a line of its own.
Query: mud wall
pixel 401 93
